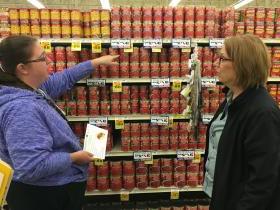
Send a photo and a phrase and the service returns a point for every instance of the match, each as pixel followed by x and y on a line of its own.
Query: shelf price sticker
pixel 208 82
pixel 76 45
pixel 96 82
pixel 181 43
pixel 121 43
pixel 160 82
pixel 46 45
pixel 98 162
pixel 216 42
pixel 143 156
pixel 129 50
pixel 177 85
pixel 119 123
pixel 175 194
pixel 153 43
pixel 197 158
pixel 206 118
pixel 185 154
pixel 170 121
pixel 96 46
pixel 160 120
pixel 124 196
pixel 117 86
pixel 98 121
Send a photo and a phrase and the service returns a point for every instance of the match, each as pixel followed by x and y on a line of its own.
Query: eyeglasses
pixel 41 58
pixel 222 59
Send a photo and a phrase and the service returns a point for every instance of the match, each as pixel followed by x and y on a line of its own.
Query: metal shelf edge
pixel 147 190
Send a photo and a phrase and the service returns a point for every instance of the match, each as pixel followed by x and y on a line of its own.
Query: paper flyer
pixel 95 141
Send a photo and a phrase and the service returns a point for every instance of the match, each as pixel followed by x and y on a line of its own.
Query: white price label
pixel 185 154
pixel 160 120
pixel 98 121
pixel 142 156
pixel 209 82
pixel 120 43
pixel 206 118
pixel 156 82
pixel 96 82
pixel 181 43
pixel 216 43
pixel 153 43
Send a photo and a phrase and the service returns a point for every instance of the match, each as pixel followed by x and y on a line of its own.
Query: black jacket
pixel 247 172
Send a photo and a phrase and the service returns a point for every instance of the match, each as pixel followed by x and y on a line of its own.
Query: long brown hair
pixel 13 51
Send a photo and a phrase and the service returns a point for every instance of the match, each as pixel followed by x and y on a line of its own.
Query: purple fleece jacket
pixel 34 139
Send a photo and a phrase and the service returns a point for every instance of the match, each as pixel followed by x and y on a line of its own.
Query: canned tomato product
pixel 95 15
pixel 147 14
pixel 35 30
pixel 45 16
pixel 76 31
pixel 157 14
pixel 13 14
pixel 126 14
pixel 76 17
pixel 116 14
pixel 105 15
pixel 55 16
pixel 25 29
pixel 105 29
pixel 56 31
pixel 46 30
pixel 141 181
pixel 34 14
pixel 15 29
pixel 24 14
pixel 179 14
pixel 103 183
pixel 136 14
pixel 129 182
pixel 65 30
pixel 95 29
pixel 65 16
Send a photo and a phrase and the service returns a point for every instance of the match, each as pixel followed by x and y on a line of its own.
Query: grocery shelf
pixel 117 152
pixel 273 79
pixel 140 41
pixel 145 191
pixel 134 80
pixel 126 117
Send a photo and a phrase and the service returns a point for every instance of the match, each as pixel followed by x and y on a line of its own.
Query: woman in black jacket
pixel 242 170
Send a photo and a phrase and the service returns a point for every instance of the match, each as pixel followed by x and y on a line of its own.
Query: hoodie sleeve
pixel 29 145
pixel 60 82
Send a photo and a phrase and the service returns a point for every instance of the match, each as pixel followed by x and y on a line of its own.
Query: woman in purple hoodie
pixel 35 138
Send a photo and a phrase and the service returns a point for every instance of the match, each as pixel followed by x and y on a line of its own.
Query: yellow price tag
pixel 76 46
pixel 46 45
pixel 117 87
pixel 175 194
pixel 96 46
pixel 149 162
pixel 170 121
pixel 124 196
pixel 157 50
pixel 197 158
pixel 98 162
pixel 129 50
pixel 119 123
pixel 186 49
pixel 177 85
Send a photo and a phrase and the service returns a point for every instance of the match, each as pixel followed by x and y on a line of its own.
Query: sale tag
pixel 96 82
pixel 121 43
pixel 185 154
pixel 98 162
pixel 124 196
pixel 170 121
pixel 216 42
pixel 188 50
pixel 76 45
pixel 119 123
pixel 149 162
pixel 177 85
pixel 98 121
pixel 160 120
pixel 206 118
pixel 117 86
pixel 158 82
pixel 156 50
pixel 143 156
pixel 46 45
pixel 209 81
pixel 129 50
pixel 96 46
pixel 153 43
pixel 197 158
pixel 175 194
pixel 181 43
